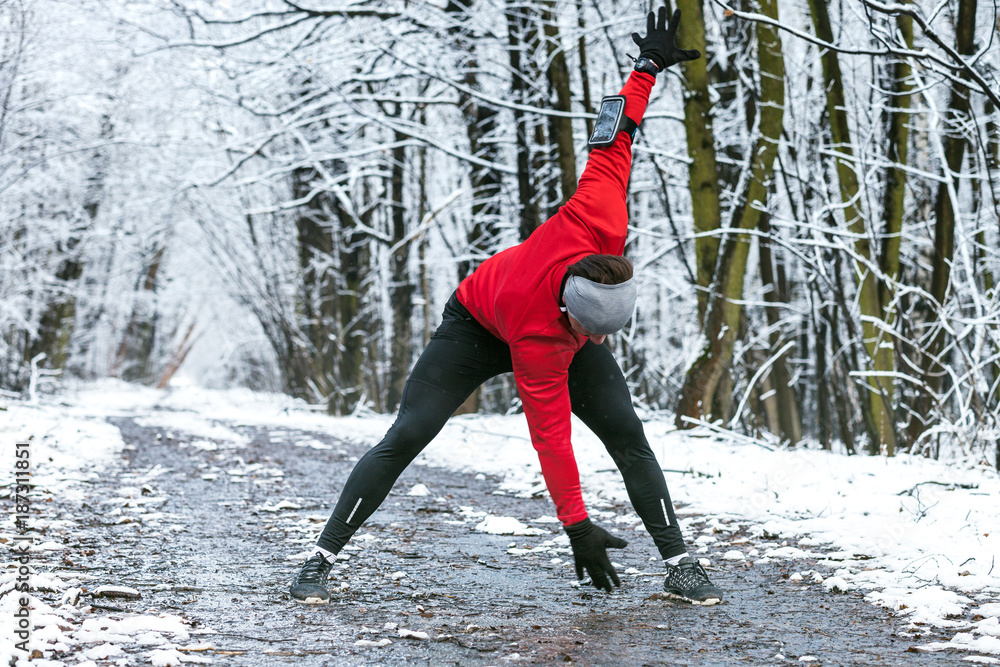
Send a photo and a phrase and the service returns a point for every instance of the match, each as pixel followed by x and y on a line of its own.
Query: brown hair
pixel 603 269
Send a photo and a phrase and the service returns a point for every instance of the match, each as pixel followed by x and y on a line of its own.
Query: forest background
pixel 282 195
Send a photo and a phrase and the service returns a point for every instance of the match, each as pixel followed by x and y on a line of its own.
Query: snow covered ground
pixel 917 536
pixel 70 446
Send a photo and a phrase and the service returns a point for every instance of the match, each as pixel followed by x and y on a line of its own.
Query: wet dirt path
pixel 214 549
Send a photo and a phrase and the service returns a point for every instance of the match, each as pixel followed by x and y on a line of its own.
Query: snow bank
pixel 67 444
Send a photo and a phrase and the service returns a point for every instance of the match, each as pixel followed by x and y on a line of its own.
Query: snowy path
pixel 201 516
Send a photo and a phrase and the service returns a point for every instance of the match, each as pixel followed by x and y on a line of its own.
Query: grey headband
pixel 600 309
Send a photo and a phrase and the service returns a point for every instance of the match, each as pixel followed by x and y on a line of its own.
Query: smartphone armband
pixel 610 121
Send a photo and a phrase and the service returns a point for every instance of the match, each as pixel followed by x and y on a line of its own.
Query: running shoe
pixel 688 581
pixel 310 584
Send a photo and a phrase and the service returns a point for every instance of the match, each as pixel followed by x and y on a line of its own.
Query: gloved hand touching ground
pixel 658 45
pixel 590 544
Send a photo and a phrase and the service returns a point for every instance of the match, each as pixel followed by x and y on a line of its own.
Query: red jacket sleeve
pixel 599 199
pixel 541 367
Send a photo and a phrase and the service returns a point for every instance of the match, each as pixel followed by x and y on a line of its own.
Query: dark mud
pixel 217 554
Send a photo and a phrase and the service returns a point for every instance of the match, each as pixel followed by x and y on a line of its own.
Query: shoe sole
pixel 710 602
pixel 311 600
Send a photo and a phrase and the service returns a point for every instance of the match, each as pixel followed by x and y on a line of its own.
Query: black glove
pixel 658 44
pixel 590 545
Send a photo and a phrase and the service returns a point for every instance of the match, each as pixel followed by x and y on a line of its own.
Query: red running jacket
pixel 515 295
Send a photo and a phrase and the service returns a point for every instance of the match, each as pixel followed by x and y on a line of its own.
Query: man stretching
pixel 542 310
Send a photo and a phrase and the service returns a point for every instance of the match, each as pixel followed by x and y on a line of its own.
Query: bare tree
pixel 722 323
pixel 945 213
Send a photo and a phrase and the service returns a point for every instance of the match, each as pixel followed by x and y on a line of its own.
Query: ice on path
pixel 368 642
pixel 507 525
pixel 989 609
pixel 116 592
pixel 130 625
pixel 103 652
pixel 837 585
pixel 789 552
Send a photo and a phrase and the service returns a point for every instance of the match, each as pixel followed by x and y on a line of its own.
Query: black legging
pixel 460 356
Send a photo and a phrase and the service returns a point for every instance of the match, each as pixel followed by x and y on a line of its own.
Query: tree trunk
pixel 177 358
pixel 55 327
pixel 703 175
pixel 354 267
pixel 987 196
pixel 944 219
pixel 895 190
pixel 401 287
pixel 133 360
pixel 312 373
pixel 763 399
pixel 878 342
pixel 486 182
pixel 895 184
pixel 722 323
pixel 581 48
pixel 840 378
pixel 481 129
pixel 530 216
pixel 788 420
pixel 823 397
pixel 425 281
pixel 989 281
pixel 560 127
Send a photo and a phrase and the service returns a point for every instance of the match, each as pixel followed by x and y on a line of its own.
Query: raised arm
pixel 599 200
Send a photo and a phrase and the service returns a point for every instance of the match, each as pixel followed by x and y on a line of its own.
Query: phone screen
pixel 607 121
